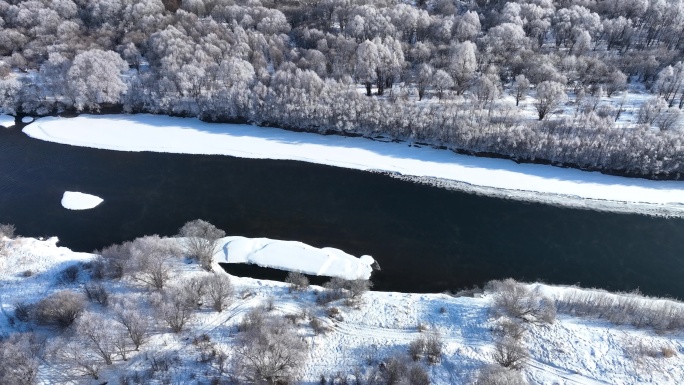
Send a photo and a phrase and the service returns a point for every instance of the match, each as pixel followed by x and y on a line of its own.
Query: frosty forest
pixel 587 83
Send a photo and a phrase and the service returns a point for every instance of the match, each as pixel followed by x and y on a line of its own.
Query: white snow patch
pixel 295 256
pixel 189 135
pixel 27 119
pixel 6 121
pixel 79 201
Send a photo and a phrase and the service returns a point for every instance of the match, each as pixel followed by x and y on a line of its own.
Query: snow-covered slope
pixel 570 351
pixel 189 135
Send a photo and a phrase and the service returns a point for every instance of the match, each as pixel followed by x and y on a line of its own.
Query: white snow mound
pixel 6 121
pixel 79 201
pixel 295 256
pixel 27 119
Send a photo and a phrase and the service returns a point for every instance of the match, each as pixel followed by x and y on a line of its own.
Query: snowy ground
pixel 485 175
pixel 73 200
pixel 570 351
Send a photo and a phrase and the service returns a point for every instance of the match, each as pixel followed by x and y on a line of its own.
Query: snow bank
pixel 26 119
pixel 80 201
pixel 189 135
pixel 295 256
pixel 6 120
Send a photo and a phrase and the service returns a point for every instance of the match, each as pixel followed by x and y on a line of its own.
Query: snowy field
pixel 484 175
pixel 74 200
pixel 572 350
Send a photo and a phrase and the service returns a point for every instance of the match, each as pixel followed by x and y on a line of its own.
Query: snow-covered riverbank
pixel 488 176
pixel 572 350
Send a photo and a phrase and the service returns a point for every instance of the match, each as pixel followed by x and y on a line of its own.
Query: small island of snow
pixel 294 256
pixel 27 119
pixel 79 201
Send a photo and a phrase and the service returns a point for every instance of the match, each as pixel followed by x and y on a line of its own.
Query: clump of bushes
pixel 517 300
pixel 59 309
pixel 201 241
pixel 495 374
pixel 633 309
pixel 339 288
pixel 297 281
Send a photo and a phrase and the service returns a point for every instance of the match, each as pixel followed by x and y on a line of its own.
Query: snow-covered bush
pixel 270 353
pixel 297 281
pixel 494 374
pixel 399 370
pixel 339 288
pixel 134 319
pixel 510 353
pixel 59 309
pixel 20 356
pixel 623 308
pixel 517 300
pixel 7 230
pixel 150 260
pixel 219 291
pixel 201 241
pixel 96 292
pixel 176 309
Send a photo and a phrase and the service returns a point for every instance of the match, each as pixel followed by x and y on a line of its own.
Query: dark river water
pixel 426 239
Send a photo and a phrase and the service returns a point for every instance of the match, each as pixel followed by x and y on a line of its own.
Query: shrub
pixel 20 356
pixel 133 319
pixel 112 261
pixel 270 353
pixel 150 260
pixel 22 311
pixel 219 291
pixel 510 354
pixel 623 308
pixel 397 370
pixel 201 241
pixel 318 326
pixel 417 348
pixel 507 327
pixel 433 347
pixel 339 288
pixel 175 309
pixel 254 319
pixel 297 281
pixel 518 301
pixel 69 274
pixel 7 230
pixel 497 375
pixel 60 309
pixel 97 293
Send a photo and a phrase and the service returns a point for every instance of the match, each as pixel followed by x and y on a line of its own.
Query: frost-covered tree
pixel 95 78
pixel 521 87
pixel 462 65
pixel 550 95
pixel 442 82
pixel 367 62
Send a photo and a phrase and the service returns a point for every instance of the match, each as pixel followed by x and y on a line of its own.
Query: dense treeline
pixel 434 71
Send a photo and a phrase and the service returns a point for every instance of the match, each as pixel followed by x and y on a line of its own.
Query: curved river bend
pixel 426 239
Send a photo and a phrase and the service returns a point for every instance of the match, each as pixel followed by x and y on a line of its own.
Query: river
pixel 426 239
